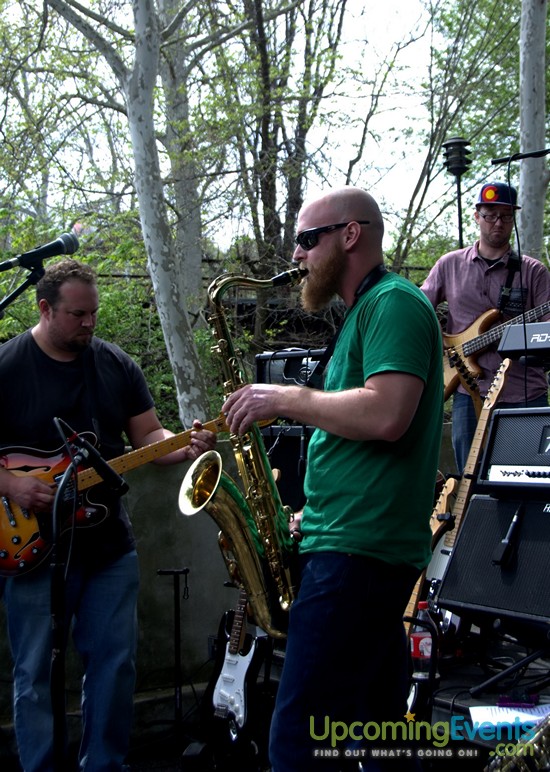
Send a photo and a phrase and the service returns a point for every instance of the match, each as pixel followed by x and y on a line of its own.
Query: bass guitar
pixel 25 536
pixel 466 345
pixel 443 550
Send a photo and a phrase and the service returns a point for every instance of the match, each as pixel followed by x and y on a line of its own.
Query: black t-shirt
pixel 97 392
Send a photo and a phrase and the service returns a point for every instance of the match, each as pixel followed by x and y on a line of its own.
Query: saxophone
pixel 258 550
pixel 529 756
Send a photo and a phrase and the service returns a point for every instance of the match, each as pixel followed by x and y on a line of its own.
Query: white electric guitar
pixel 230 692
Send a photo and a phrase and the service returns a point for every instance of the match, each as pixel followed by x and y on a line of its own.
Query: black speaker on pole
pixel 498 569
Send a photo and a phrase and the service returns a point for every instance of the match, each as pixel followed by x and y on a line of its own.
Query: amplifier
pixel 499 564
pixel 292 365
pixel 517 453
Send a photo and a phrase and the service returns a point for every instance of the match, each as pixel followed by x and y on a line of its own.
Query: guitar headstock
pixel 466 376
pixel 497 385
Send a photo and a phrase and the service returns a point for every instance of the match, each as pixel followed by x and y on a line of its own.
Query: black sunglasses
pixel 310 238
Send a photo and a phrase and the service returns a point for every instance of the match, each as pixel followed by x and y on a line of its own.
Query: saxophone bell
pixel 206 487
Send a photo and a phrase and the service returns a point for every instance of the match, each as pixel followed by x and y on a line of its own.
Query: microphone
pixel 92 456
pixel 115 482
pixel 519 156
pixel 504 551
pixel 66 244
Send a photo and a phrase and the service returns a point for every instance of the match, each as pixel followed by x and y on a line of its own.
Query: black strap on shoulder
pixel 315 379
pixel 90 379
pixel 513 266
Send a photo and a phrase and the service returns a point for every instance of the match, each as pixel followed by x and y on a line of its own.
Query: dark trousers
pixel 346 661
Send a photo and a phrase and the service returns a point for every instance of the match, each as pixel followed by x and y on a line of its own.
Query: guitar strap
pixel 315 378
pixel 91 391
pixel 513 266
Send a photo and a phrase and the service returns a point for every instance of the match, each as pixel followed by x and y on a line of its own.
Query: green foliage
pixel 211 364
pixel 127 314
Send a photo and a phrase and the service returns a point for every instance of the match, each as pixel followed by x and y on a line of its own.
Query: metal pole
pixel 459 204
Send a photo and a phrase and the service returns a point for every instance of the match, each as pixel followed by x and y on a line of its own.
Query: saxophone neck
pixel 222 283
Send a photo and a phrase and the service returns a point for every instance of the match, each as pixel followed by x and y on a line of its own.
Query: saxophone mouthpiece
pixel 293 276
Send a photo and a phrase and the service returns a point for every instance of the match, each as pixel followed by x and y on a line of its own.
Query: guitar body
pixel 230 696
pixel 25 536
pixel 236 709
pixel 453 353
pixel 460 351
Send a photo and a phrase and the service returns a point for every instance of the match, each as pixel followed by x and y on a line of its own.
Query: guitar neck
pixel 467 480
pixel 495 333
pixel 136 458
pixel 468 476
pixel 235 639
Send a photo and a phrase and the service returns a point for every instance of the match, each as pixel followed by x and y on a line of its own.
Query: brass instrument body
pixel 255 541
pixel 533 754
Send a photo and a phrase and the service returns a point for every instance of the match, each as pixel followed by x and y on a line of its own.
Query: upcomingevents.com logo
pixel 421 738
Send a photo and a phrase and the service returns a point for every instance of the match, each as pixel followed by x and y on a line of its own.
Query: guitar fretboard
pixel 237 626
pixel 493 335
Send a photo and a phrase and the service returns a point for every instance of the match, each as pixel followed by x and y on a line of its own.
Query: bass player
pixel 489 276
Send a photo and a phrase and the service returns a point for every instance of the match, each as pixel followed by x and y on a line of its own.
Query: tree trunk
pixel 138 87
pixel 534 174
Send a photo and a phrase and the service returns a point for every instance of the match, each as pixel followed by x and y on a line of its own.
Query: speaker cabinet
pixel 516 460
pixel 287 451
pixel 484 576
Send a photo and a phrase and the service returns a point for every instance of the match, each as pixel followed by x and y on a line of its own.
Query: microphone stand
pixel 33 278
pixel 58 615
pixel 85 453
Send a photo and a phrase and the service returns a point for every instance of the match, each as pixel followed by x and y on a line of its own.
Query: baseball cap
pixel 498 193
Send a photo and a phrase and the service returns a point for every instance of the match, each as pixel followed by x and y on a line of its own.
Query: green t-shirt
pixel 375 498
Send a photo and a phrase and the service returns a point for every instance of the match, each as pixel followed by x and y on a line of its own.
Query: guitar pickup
pixel 8 511
pixel 447 517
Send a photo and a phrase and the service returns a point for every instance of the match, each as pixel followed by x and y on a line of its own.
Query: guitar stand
pixel 176 573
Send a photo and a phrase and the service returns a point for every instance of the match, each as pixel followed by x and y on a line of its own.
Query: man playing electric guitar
pixel 483 277
pixel 59 370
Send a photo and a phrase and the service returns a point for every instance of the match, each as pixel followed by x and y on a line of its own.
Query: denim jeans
pixel 464 423
pixel 102 607
pixel 346 658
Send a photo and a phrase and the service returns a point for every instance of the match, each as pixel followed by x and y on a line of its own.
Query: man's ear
pixel 44 308
pixel 351 234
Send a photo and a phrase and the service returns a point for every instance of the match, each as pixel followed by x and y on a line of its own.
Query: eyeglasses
pixel 506 218
pixel 310 238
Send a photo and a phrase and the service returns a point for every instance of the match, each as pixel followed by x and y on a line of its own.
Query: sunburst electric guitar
pixel 468 344
pixel 25 536
pixel 444 547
